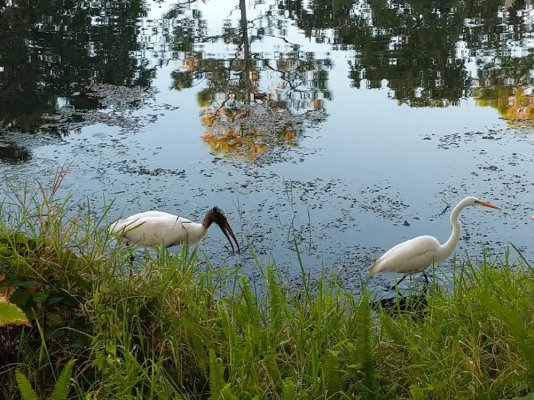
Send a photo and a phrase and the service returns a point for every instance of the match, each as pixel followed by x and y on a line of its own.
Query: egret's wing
pixel 413 255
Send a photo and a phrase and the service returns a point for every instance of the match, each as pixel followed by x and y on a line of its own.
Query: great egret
pixel 416 254
pixel 157 228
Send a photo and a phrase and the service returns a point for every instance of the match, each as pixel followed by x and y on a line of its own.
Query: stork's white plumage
pixel 415 255
pixel 157 228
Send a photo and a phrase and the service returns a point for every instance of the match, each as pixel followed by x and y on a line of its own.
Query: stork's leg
pixel 131 258
pixel 398 283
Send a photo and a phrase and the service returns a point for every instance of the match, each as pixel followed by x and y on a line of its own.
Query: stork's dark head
pixel 216 215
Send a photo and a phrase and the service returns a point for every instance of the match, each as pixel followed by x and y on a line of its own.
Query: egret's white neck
pixel 446 249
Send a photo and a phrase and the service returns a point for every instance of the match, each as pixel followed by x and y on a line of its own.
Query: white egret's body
pixel 415 255
pixel 157 228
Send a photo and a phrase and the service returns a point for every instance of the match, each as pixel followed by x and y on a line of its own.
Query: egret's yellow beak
pixel 486 204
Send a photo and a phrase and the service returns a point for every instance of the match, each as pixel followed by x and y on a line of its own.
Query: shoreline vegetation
pixel 176 328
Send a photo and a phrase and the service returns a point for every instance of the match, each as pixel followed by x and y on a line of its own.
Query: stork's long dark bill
pixel 486 204
pixel 227 230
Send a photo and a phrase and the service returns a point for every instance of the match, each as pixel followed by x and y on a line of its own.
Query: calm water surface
pixel 344 127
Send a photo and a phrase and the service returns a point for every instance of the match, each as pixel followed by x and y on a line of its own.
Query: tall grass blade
pixel 522 256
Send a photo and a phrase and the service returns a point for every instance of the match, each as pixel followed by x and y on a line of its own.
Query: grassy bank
pixel 177 328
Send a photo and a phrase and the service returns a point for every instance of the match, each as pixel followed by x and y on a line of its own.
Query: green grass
pixel 180 329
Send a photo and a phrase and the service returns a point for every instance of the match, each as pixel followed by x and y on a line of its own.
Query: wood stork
pixel 157 228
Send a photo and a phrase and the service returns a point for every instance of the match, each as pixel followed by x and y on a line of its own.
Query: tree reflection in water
pixel 427 53
pixel 432 53
pixel 52 50
pixel 241 114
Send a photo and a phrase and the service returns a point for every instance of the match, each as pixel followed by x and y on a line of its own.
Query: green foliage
pixel 473 341
pixel 362 349
pixel 529 396
pixel 25 387
pixel 217 384
pixel 61 388
pixel 419 393
pixel 521 332
pixel 289 389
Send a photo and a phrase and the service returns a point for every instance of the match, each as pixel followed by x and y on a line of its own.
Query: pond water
pixel 343 127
